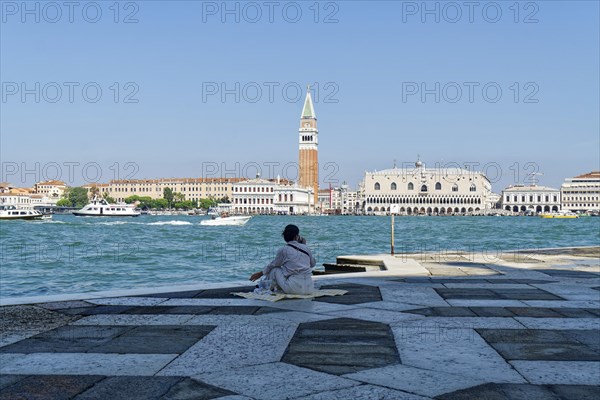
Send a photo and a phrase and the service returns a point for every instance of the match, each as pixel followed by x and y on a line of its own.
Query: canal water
pixel 74 255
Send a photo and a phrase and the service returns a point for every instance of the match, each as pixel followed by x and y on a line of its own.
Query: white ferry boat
pixel 101 208
pixel 9 212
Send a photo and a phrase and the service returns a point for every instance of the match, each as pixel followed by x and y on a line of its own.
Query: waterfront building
pixel 581 193
pixel 308 159
pixel 191 188
pixel 292 199
pixel 422 190
pixel 270 196
pixel 15 198
pixel 52 189
pixel 338 200
pixel 254 196
pixel 530 199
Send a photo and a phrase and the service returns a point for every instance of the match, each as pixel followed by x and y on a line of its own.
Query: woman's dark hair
pixel 290 232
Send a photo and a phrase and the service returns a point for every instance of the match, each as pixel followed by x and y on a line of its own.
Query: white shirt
pixel 292 261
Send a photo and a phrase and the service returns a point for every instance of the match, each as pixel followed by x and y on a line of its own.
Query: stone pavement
pixel 469 328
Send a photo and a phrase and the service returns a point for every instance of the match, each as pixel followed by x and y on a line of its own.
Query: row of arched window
pixel 425 188
pixel 423 200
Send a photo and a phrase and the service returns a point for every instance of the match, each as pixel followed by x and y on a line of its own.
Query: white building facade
pixel 420 190
pixel 270 196
pixel 530 199
pixel 581 193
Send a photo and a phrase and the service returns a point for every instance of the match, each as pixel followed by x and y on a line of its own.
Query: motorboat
pixel 225 219
pixel 99 207
pixel 568 215
pixel 10 212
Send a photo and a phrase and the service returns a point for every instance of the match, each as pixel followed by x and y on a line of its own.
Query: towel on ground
pixel 280 296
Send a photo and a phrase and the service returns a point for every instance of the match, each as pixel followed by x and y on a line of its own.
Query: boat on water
pixel 99 207
pixel 225 219
pixel 567 215
pixel 10 212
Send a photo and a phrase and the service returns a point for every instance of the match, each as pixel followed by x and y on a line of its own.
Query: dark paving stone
pixel 7 380
pixel 523 336
pixel 188 294
pixel 131 388
pixel 67 339
pixel 564 273
pixel 192 389
pixel 157 339
pixel 493 391
pixel 45 387
pixel 534 312
pixel 576 392
pixel 590 338
pixel 86 311
pixel 574 312
pixel 223 293
pixel 546 351
pixel 341 346
pixel 596 288
pixel 357 294
pixel 497 294
pixel 492 312
pixel 454 312
pixel 234 310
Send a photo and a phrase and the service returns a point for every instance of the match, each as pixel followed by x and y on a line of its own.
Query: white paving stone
pixel 458 350
pixel 128 301
pixel 416 380
pixel 422 296
pixel 391 305
pixel 232 346
pixel 216 302
pixel 372 314
pixel 485 303
pixel 363 392
pixel 310 306
pixel 87 364
pixel 149 319
pixel 571 292
pixel 276 381
pixel 295 316
pixel 559 372
pixel 559 323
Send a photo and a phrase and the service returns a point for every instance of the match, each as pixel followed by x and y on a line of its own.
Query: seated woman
pixel 292 268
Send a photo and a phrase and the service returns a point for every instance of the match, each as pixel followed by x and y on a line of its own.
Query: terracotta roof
pixel 52 182
pixel 593 175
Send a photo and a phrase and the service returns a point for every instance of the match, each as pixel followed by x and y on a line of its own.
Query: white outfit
pixel 292 269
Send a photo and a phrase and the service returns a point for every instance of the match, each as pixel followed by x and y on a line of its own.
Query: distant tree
pixel 63 203
pixel 168 195
pixel 207 203
pixel 224 199
pixel 160 204
pixel 94 191
pixel 77 196
pixel 178 197
pixel 108 199
pixel 185 205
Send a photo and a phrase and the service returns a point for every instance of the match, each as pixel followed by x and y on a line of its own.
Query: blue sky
pixel 370 67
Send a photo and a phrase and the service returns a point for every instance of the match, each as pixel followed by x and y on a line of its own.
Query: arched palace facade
pixel 423 190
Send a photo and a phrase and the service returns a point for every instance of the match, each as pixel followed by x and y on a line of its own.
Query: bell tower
pixel 308 160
